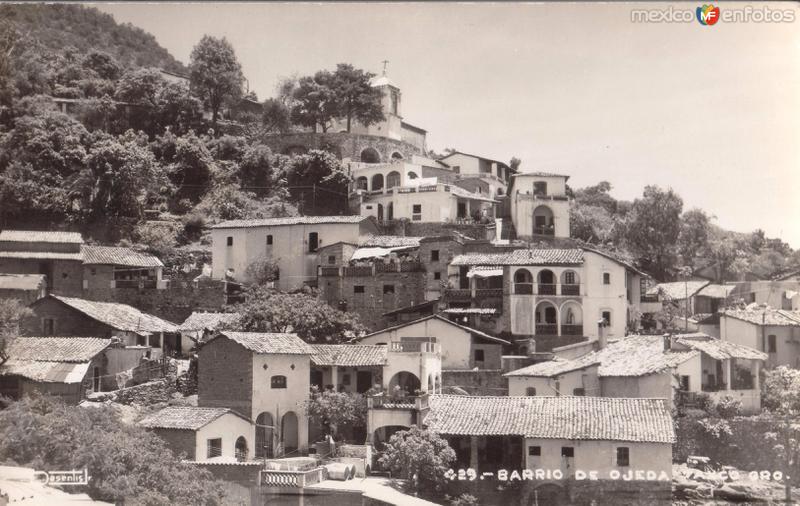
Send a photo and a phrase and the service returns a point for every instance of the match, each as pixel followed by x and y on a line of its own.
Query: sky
pixel 578 89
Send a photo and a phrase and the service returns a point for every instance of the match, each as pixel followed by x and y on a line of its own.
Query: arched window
pixel 543 221
pixel 392 179
pixel 377 182
pixel 277 382
pixel 362 183
pixel 240 450
pixel 264 435
pixel 370 155
pixel 523 282
pixel 397 156
pixel 412 175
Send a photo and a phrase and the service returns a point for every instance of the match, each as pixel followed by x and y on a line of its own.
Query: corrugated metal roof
pixel 111 255
pixel 564 417
pixel 271 342
pixel 348 355
pixel 184 417
pixel 119 316
pixel 40 236
pixel 523 257
pixel 296 220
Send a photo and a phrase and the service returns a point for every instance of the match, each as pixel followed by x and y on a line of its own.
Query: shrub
pixel 728 407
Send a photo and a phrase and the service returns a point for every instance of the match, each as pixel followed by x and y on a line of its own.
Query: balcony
pixel 523 288
pixel 547 289
pixel 141 284
pixel 412 347
pixel 483 293
pixel 292 479
pixel 571 330
pixel 548 231
pixel 458 294
pixel 574 289
pixel 329 272
pixel 546 329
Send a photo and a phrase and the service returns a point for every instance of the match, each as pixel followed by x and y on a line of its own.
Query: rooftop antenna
pixel 385 63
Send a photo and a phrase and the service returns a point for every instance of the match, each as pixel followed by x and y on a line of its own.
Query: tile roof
pixel 766 316
pixel 461 192
pixel 119 316
pixel 718 349
pixel 21 281
pixel 564 417
pixel 51 359
pixel 539 174
pixel 40 236
pixel 677 290
pixel 111 255
pixel 348 355
pixel 716 291
pixel 413 308
pixel 41 255
pixel 202 321
pixel 475 332
pixel 55 349
pixel 523 257
pixel 389 241
pixel 270 342
pixel 470 310
pixel 295 220
pixel 629 356
pixel 183 417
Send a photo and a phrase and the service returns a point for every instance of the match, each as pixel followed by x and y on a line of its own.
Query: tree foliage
pixel 266 310
pixel 215 73
pixel 337 410
pixel 314 102
pixel 421 456
pixel 652 229
pixel 357 99
pixel 126 463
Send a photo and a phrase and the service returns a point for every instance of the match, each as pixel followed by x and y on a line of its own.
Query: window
pixel 214 447
pixel 578 392
pixel 479 356
pixel 434 255
pixel 154 340
pixel 416 212
pixel 269 240
pixel 48 326
pixel 606 278
pixel 358 289
pixel 456 169
pixel 569 278
pixel 772 344
pixel 535 451
pixel 345 379
pixel 313 242
pixel 277 382
pixel 93 270
pixel 568 452
pixel 685 383
pixel 437 275
pixel 331 259
pixel 387 289
pixel 230 240
pixel 623 456
pixel 540 188
pixel 607 318
pixel 530 392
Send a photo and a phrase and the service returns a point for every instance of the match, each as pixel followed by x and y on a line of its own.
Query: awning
pixel 375 252
pixel 485 271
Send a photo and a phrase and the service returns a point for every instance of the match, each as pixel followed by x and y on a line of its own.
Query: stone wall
pixel 480 382
pixel 67 321
pixel 225 376
pixel 180 441
pixel 427 229
pixel 342 144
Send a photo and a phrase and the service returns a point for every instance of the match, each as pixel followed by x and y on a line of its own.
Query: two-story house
pixel 539 205
pixel 775 332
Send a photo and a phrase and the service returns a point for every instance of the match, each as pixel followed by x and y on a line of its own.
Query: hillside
pixel 56 26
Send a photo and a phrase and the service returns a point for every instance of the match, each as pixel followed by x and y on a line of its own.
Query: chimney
pixel 667 343
pixel 602 339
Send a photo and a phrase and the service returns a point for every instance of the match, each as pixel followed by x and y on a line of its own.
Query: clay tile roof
pixel 389 241
pixel 564 417
pixel 40 236
pixel 55 349
pixel 21 281
pixel 539 174
pixel 716 291
pixel 348 355
pixel 270 342
pixel 475 332
pixel 110 255
pixel 295 220
pixel 184 417
pixel 677 290
pixel 119 316
pixel 766 316
pixel 523 257
pixel 202 321
pixel 718 349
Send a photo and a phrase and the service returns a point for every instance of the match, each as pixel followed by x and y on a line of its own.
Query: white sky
pixel 711 111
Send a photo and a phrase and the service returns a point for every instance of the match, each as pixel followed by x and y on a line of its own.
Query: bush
pixel 193 226
pixel 157 238
pixel 728 407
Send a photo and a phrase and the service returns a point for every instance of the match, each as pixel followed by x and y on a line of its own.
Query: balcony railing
pixel 547 289
pixel 292 479
pixel 458 294
pixel 412 347
pixel 546 329
pixel 571 330
pixel 357 271
pixel 387 402
pixel 523 288
pixel 136 283
pixel 329 272
pixel 482 293
pixel 573 289
pixel 544 231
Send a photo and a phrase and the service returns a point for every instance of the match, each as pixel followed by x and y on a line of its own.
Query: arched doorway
pixel 390 211
pixel 264 436
pixel 407 381
pixel 380 212
pixel 546 319
pixel 523 282
pixel 571 319
pixel 289 431
pixel 377 182
pixel 392 179
pixel 543 223
pixel 362 183
pixel 370 155
pixel 240 449
pixel 547 282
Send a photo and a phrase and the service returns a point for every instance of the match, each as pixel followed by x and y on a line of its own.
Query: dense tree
pixel 318 182
pixel 515 163
pixel 693 236
pixel 337 411
pixel 781 399
pixel 126 463
pixel 12 312
pixel 652 229
pixel 276 117
pixel 266 310
pixel 102 64
pixel 255 170
pixel 421 456
pixel 216 74
pixel 592 224
pixel 314 101
pixel 189 164
pixel 597 196
pixel 356 98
